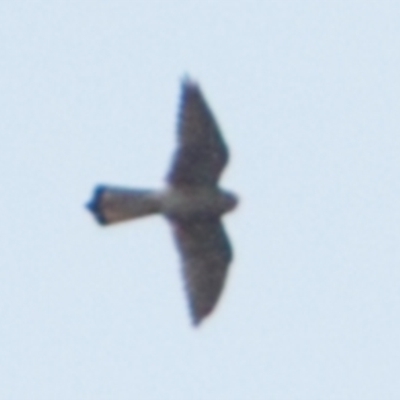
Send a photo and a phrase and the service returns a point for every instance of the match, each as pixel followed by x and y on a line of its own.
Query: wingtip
pixel 188 82
pixel 196 322
pixel 197 317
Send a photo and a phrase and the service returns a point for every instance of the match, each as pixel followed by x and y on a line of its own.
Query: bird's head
pixel 230 201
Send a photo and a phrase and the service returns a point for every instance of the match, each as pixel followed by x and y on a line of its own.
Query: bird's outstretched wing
pixel 206 253
pixel 202 153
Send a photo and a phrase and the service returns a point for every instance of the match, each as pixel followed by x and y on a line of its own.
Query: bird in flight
pixel 192 202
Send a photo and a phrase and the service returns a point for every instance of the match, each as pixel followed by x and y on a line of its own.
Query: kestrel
pixel 192 202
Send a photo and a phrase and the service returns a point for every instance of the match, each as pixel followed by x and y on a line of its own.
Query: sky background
pixel 307 94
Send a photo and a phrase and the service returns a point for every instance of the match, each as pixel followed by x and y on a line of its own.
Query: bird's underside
pixel 192 203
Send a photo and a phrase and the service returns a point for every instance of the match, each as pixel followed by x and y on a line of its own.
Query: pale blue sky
pixel 308 96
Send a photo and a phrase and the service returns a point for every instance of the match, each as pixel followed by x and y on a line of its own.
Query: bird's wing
pixel 202 153
pixel 206 253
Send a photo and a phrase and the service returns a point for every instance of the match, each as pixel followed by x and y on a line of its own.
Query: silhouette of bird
pixel 192 202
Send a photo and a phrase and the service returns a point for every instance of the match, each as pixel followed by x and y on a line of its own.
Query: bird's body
pixel 192 202
pixel 196 202
pixel 112 204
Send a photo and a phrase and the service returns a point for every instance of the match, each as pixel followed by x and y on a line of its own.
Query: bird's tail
pixel 111 204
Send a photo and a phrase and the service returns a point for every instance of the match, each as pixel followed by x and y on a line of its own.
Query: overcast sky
pixel 307 94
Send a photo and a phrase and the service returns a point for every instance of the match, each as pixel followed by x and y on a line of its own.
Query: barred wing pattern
pixel 202 153
pixel 205 252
